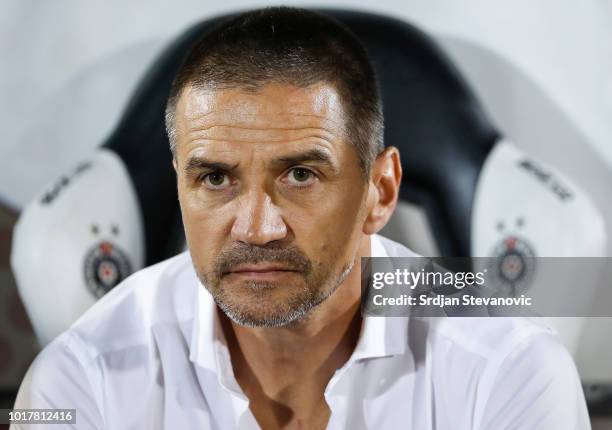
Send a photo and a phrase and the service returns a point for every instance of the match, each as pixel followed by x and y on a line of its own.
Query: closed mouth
pixel 260 270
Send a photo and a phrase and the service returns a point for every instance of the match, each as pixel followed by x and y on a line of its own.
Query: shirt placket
pixel 338 403
pixel 244 419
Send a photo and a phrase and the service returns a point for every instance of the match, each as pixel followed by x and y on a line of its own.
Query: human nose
pixel 258 220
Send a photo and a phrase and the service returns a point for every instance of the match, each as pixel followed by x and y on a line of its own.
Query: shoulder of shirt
pixel 163 293
pixel 523 350
pixel 487 338
pixel 482 336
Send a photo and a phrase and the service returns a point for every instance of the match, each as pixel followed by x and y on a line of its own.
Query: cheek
pixel 329 228
pixel 206 229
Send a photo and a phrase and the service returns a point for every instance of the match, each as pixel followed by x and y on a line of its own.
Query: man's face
pixel 272 197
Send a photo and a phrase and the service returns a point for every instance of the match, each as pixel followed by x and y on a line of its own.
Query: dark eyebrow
pixel 196 164
pixel 312 155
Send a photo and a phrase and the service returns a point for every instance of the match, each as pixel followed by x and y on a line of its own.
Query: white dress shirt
pixel 151 355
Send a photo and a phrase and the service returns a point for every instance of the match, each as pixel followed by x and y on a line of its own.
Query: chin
pixel 267 304
pixel 250 316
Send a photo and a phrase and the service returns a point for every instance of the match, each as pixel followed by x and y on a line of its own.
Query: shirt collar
pixel 206 331
pixel 379 337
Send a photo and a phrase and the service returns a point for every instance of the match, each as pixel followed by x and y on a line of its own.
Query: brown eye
pixel 300 177
pixel 216 180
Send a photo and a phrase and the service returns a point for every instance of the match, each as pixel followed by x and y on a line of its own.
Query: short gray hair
pixel 287 46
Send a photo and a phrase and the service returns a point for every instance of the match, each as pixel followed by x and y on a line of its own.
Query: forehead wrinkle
pixel 203 114
pixel 209 132
pixel 218 149
pixel 240 127
pixel 203 139
pixel 202 102
pixel 197 119
pixel 254 134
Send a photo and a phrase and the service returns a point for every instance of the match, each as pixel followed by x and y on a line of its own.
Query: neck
pixel 292 365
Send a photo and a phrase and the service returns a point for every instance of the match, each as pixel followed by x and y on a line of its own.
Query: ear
pixel 383 190
pixel 175 165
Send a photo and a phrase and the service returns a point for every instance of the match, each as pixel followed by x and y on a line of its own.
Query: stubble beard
pixel 257 307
